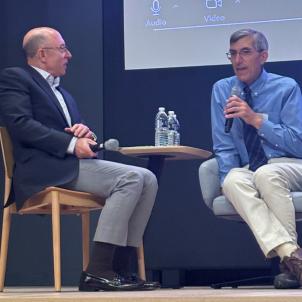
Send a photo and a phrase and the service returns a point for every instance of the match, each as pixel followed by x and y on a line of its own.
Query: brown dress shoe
pixel 294 264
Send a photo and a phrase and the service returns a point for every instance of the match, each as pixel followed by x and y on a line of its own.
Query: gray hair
pixel 33 43
pixel 260 41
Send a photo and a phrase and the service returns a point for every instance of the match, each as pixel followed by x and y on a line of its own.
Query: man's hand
pixel 82 149
pixel 80 130
pixel 236 107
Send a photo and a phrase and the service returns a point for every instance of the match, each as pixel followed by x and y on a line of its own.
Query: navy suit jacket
pixel 36 122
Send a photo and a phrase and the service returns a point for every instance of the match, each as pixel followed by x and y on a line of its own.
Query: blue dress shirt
pixel 279 99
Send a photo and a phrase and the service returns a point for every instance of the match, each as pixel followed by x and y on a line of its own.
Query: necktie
pixel 253 145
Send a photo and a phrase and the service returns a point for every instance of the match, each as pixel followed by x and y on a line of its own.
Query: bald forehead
pixel 44 33
pixel 39 37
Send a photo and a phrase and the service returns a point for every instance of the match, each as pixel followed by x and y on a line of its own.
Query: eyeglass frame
pixel 61 48
pixel 243 53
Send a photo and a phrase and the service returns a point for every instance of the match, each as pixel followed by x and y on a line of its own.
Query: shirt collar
pixel 52 81
pixel 257 85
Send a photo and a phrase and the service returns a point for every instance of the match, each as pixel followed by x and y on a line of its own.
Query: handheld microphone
pixel 229 121
pixel 111 144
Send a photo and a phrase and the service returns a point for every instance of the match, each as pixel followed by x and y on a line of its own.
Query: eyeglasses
pixel 61 48
pixel 243 53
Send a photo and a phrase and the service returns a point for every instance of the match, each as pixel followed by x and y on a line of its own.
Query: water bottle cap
pixel 161 108
pixel 171 112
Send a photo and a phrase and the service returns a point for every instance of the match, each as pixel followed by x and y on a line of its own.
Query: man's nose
pixel 68 54
pixel 238 58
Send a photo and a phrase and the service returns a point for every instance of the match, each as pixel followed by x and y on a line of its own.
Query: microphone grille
pixel 112 144
pixel 236 91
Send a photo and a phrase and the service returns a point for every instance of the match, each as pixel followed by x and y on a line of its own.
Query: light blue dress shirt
pixel 279 99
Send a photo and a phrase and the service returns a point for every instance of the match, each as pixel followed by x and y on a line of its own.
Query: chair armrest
pixel 209 181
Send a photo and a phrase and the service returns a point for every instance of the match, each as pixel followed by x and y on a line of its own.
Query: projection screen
pixel 180 33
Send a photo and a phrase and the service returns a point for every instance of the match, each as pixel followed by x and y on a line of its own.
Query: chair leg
pixel 85 239
pixel 56 240
pixel 4 244
pixel 141 262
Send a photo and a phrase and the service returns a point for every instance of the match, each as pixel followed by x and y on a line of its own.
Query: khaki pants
pixel 263 200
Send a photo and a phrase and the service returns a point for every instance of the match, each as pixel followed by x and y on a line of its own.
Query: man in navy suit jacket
pixel 52 148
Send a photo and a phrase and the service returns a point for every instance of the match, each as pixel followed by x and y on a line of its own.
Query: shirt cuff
pixel 264 116
pixel 71 146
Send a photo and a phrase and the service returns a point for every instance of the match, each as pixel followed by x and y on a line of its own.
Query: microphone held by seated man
pixel 111 144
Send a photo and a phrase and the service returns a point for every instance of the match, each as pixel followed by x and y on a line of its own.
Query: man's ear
pixel 41 54
pixel 264 56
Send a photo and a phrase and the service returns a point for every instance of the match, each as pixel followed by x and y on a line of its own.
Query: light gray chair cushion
pixel 211 193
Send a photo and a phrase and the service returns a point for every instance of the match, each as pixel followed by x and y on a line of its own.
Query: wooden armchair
pixel 54 201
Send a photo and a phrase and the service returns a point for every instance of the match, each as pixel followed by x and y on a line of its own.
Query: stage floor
pixel 186 294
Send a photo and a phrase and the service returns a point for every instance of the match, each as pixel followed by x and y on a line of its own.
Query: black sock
pixel 122 259
pixel 100 263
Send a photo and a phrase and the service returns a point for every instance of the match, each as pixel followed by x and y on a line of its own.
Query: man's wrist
pixel 260 118
pixel 71 146
pixel 93 136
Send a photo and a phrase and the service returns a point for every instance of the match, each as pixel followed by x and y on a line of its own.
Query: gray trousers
pixel 262 198
pixel 130 193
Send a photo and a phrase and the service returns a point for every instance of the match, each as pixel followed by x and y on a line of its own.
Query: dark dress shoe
pixel 294 264
pixel 89 282
pixel 146 285
pixel 285 280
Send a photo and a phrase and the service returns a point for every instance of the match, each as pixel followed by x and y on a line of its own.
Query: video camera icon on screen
pixel 214 3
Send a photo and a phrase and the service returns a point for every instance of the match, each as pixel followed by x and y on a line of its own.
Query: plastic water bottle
pixel 177 131
pixel 171 128
pixel 161 128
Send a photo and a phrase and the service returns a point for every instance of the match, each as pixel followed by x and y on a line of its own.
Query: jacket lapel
pixel 73 112
pixel 45 86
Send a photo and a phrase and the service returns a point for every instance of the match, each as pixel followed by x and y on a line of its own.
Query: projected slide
pixel 179 33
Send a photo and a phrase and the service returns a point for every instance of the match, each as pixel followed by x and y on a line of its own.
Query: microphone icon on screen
pixel 155 7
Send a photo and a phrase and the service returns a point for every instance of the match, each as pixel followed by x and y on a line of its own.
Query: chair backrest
pixel 8 160
pixel 209 181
